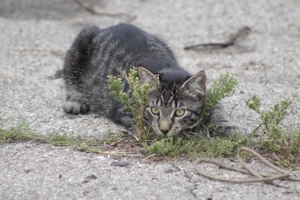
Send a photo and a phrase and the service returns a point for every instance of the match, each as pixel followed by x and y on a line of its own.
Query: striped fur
pixel 97 53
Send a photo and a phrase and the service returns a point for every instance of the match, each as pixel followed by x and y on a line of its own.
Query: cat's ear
pixel 196 85
pixel 146 76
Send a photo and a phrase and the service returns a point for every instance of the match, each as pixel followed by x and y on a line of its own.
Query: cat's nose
pixel 164 126
pixel 165 132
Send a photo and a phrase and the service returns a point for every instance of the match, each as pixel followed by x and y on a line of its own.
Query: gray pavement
pixel 34 37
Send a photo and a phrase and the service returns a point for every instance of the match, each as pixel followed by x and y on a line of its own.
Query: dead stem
pixel 243 31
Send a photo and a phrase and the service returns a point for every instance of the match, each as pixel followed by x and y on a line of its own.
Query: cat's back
pixel 125 32
pixel 130 39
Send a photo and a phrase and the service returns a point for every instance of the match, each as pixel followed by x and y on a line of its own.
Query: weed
pixel 16 134
pixel 22 133
pixel 221 88
pixel 59 140
pixel 276 138
pixel 134 100
pixel 110 138
pixel 197 145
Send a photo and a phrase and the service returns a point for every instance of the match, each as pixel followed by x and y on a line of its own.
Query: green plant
pixel 221 88
pixel 19 133
pixel 58 140
pixel 277 138
pixel 197 145
pixel 23 133
pixel 134 100
pixel 110 138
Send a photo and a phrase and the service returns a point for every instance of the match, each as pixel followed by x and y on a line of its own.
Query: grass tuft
pixel 283 143
pixel 134 100
pixel 221 88
pixel 197 146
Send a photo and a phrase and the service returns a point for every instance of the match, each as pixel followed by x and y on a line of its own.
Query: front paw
pixel 76 107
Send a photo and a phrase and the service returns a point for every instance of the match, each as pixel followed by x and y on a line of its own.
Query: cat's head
pixel 173 107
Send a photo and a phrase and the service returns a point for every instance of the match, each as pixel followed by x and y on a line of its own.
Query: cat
pixel 175 101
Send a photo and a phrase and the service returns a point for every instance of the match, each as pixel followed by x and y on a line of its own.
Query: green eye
pixel 155 110
pixel 179 112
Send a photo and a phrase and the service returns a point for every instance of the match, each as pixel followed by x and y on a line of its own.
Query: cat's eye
pixel 155 110
pixel 179 112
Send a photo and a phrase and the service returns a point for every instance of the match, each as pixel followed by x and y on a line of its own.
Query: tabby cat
pixel 174 103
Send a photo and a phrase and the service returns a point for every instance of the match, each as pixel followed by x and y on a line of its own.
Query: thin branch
pixel 246 169
pixel 243 31
pixel 256 128
pixel 89 9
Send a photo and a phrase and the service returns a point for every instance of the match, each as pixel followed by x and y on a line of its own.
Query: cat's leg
pixel 75 68
pixel 120 115
pixel 220 123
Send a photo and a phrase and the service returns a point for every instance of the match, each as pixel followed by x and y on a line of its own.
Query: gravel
pixel 34 37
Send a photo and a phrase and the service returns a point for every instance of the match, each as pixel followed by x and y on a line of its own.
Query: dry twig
pixel 260 177
pixel 243 31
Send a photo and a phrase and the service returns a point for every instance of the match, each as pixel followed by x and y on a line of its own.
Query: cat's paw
pixel 76 107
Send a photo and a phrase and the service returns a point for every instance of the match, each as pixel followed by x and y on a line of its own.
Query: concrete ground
pixel 34 37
